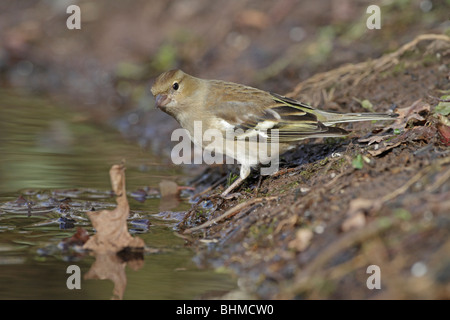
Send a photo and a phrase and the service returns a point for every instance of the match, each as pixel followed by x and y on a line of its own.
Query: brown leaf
pixel 302 240
pixel 445 134
pixel 420 133
pixel 108 265
pixel 356 217
pixel 355 221
pixel 359 205
pixel 385 147
pixel 112 232
pixel 375 139
pixel 410 115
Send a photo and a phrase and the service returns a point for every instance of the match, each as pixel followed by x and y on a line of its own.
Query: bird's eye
pixel 175 86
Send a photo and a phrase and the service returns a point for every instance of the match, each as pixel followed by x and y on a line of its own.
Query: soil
pixel 327 223
pixel 337 206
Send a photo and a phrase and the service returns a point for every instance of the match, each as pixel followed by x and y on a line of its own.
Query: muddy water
pixel 53 169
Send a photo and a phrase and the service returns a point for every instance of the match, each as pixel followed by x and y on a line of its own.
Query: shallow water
pixel 53 169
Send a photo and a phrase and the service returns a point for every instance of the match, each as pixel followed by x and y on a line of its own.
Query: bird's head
pixel 170 88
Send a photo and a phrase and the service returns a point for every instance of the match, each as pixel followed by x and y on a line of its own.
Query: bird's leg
pixel 245 171
pixel 233 186
pixel 258 185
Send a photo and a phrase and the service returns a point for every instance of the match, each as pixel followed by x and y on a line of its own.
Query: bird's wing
pixel 290 120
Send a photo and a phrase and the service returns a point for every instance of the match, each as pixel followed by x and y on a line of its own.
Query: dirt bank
pixel 338 207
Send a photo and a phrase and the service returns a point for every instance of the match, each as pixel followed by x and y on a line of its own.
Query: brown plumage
pixel 227 106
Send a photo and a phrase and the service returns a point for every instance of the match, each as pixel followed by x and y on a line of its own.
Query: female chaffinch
pixel 249 113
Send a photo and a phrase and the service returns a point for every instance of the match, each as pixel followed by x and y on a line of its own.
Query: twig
pixel 230 212
pixel 284 171
pixel 186 238
pixel 439 99
pixel 303 279
pixel 406 186
pixel 440 181
pixel 416 178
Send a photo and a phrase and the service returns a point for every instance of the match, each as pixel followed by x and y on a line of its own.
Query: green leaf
pixel 443 107
pixel 231 178
pixel 358 162
pixel 366 104
pixel 165 58
pixel 402 214
pixel 129 70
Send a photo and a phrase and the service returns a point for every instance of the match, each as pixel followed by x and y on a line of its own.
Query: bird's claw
pixel 230 195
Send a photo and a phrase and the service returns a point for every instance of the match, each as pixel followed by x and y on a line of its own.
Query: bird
pixel 247 113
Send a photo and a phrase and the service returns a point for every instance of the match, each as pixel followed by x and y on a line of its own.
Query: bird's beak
pixel 162 100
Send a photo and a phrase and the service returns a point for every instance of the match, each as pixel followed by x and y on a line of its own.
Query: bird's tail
pixel 331 118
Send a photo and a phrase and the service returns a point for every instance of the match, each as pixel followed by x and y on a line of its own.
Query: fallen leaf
pixel 443 107
pixel 375 139
pixel 384 147
pixel 359 205
pixel 444 131
pixel 407 117
pixel 108 265
pixel 410 115
pixel 302 240
pixel 356 217
pixel 358 162
pixel 355 221
pixel 419 133
pixel 366 104
pixel 111 225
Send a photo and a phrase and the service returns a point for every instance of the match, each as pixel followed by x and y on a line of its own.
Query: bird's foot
pixel 226 194
pixel 230 195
